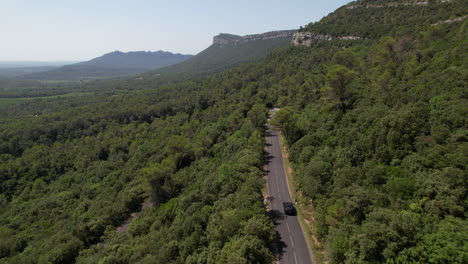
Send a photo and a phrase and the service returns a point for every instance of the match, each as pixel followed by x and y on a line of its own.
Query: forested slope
pixel 377 133
pixel 73 173
pixel 373 19
pixel 378 136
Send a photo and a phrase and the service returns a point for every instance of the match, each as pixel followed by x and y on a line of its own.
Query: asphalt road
pixel 292 246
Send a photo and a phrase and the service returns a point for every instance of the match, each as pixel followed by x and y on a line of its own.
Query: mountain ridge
pixel 112 64
pixel 137 59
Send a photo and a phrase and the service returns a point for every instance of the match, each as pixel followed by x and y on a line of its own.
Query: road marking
pixel 277 183
pixel 292 243
pixel 288 226
pixel 295 258
pixel 278 147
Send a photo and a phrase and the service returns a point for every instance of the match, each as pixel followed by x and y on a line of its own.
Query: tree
pixel 346 58
pixel 158 178
pixel 338 80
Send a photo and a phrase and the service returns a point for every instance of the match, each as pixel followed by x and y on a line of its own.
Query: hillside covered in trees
pixel 377 134
pixel 376 130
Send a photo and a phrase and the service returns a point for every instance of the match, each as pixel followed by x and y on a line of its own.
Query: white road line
pixel 295 258
pixel 276 177
pixel 288 227
pixel 292 243
pixel 277 184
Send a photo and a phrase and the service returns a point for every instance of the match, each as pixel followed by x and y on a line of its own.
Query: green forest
pixel 376 130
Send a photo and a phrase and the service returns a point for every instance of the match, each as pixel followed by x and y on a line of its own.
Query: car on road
pixel 289 209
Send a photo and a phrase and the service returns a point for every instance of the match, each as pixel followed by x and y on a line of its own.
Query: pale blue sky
pixel 49 30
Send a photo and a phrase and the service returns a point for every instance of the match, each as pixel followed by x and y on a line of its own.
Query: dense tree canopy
pixel 376 130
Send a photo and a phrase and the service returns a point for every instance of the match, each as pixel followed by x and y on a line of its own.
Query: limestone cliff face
pixel 221 40
pixel 395 4
pixel 228 39
pixel 306 38
pixel 448 21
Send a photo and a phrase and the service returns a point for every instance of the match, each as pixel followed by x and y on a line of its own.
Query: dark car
pixel 289 209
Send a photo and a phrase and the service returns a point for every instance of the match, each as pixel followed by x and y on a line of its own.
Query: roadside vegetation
pixel 382 149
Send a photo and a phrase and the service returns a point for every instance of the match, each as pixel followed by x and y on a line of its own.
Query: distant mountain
pixel 227 51
pixel 112 64
pixel 137 59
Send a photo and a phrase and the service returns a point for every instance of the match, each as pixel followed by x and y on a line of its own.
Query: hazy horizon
pixel 57 31
pixel 32 62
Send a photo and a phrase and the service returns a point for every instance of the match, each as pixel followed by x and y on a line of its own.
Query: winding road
pixel 292 246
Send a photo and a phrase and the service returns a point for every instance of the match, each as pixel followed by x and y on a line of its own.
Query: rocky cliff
pixel 306 38
pixel 229 39
pixel 394 4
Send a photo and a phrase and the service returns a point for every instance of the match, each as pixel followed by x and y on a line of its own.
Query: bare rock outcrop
pixel 408 3
pixel 307 38
pixel 229 39
pixel 448 21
